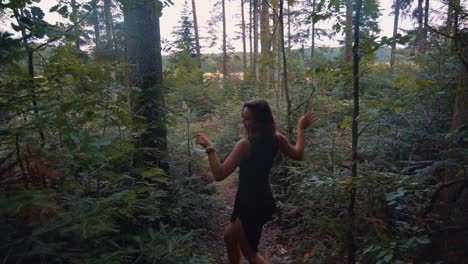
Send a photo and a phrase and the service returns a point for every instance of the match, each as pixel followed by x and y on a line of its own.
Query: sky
pixel 171 17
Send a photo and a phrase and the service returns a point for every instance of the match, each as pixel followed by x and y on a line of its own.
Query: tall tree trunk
pixel 289 27
pixel 251 58
pixel 350 232
pixel 419 13
pixel 225 58
pixel 426 22
pixel 109 23
pixel 349 31
pixel 285 73
pixel 255 39
pixel 144 56
pixel 265 45
pixel 74 20
pixel 95 19
pixel 197 40
pixel 395 32
pixel 460 107
pixel 244 47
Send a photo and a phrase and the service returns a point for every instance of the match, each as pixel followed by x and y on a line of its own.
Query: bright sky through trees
pixel 171 18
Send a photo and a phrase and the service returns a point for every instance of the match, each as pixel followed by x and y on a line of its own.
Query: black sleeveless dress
pixel 254 204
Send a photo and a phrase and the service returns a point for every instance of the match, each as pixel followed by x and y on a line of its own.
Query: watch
pixel 210 149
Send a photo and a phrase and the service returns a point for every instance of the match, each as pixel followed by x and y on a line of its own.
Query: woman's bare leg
pixel 247 251
pixel 232 244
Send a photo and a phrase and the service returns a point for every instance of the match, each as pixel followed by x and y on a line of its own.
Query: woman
pixel 254 204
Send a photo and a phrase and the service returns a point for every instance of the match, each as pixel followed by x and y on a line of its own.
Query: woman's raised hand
pixel 203 140
pixel 306 120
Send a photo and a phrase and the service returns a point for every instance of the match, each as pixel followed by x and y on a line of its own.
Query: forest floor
pixel 270 248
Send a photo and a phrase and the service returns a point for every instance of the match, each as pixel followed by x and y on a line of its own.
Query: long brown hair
pixel 264 123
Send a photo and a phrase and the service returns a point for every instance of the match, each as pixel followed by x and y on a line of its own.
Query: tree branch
pixel 67 30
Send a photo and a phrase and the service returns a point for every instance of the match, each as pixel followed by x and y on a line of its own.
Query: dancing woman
pixel 254 204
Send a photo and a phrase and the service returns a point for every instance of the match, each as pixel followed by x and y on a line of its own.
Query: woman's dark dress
pixel 254 203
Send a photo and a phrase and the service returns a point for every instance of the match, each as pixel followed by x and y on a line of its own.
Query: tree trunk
pixel 244 47
pixel 350 232
pixel 395 32
pixel 144 58
pixel 95 19
pixel 265 45
pixel 460 106
pixel 426 21
pixel 225 58
pixel 289 27
pixel 255 39
pixel 74 20
pixel 109 23
pixel 285 73
pixel 419 13
pixel 349 31
pixel 251 58
pixel 195 28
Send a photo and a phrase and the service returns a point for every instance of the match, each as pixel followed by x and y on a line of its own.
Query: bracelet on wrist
pixel 210 149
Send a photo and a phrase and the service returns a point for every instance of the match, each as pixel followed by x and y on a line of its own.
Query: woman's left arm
pixel 222 170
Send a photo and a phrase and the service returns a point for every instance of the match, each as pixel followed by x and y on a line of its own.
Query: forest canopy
pixel 99 112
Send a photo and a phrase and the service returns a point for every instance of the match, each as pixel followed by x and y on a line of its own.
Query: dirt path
pixel 269 247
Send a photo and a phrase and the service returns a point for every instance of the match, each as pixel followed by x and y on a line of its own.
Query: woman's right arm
pixel 296 152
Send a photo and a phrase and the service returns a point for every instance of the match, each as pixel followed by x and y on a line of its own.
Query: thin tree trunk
pixel 255 38
pixel 109 23
pixel 349 31
pixel 460 107
pixel 95 17
pixel 225 69
pixel 419 13
pixel 74 20
pixel 144 56
pixel 252 64
pixel 351 241
pixel 289 27
pixel 197 40
pixel 265 45
pixel 426 20
pixel 244 48
pixel 395 32
pixel 285 73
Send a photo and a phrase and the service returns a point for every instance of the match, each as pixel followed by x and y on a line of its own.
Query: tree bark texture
pixel 244 46
pixel 285 73
pixel 255 39
pixel 144 58
pixel 95 22
pixel 395 32
pixel 225 58
pixel 109 23
pixel 419 14
pixel 197 39
pixel 265 60
pixel 426 20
